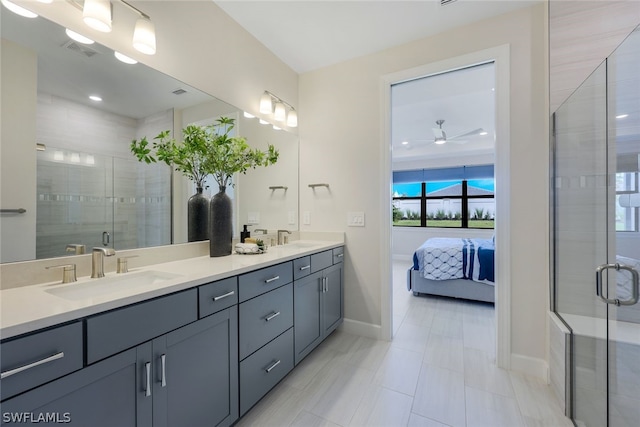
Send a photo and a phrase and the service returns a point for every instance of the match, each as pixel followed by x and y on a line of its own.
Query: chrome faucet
pixel 263 230
pixel 281 238
pixel 97 260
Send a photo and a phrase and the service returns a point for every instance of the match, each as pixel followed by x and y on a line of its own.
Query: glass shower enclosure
pixel 596 239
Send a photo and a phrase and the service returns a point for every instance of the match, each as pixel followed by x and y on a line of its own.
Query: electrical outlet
pixel 306 218
pixel 355 219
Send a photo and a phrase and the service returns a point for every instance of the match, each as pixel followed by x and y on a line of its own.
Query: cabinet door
pixel 104 394
pixel 332 307
pixel 306 303
pixel 196 373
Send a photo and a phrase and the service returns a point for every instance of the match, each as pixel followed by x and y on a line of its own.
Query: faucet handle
pixel 123 265
pixel 105 251
pixel 77 248
pixel 68 272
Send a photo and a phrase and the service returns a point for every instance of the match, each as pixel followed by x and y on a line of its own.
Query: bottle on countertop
pixel 244 233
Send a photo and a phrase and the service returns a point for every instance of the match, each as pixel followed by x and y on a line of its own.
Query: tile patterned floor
pixel 438 371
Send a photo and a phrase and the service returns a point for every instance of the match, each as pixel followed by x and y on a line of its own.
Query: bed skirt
pixel 456 288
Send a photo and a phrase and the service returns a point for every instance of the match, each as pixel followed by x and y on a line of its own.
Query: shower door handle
pixel 105 238
pixel 635 284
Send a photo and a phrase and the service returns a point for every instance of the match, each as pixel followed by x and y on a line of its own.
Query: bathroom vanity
pixel 198 346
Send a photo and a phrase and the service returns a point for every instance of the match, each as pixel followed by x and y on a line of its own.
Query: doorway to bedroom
pixel 443 214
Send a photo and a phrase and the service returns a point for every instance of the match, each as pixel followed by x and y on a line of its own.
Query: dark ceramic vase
pixel 198 217
pixel 220 224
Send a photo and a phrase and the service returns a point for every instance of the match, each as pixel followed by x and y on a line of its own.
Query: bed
pixel 454 267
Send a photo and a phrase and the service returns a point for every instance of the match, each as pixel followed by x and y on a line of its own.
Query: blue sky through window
pixel 414 189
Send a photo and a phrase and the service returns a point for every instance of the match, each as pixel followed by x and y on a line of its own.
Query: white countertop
pixel 29 308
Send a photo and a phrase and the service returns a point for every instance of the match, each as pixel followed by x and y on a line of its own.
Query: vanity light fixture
pixel 75 157
pixel 248 115
pixel 271 104
pixel 19 10
pixel 97 15
pixel 124 58
pixel 264 122
pixel 78 37
pixel 276 127
pixel 45 1
pixel 144 35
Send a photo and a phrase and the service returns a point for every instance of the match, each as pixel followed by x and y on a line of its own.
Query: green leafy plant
pixel 205 150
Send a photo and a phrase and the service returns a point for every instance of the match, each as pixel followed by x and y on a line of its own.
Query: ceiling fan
pixel 440 136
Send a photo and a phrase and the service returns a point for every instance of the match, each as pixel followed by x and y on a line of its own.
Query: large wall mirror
pixel 91 190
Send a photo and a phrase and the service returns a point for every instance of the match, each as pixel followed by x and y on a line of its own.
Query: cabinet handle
pixel 326 281
pixel 163 379
pixel 51 358
pixel 340 255
pixel 147 389
pixel 228 294
pixel 270 368
pixel 306 267
pixel 272 279
pixel 273 316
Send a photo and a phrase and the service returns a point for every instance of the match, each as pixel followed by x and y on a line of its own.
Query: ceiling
pixel 308 34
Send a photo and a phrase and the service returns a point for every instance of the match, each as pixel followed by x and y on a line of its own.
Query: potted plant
pixel 207 150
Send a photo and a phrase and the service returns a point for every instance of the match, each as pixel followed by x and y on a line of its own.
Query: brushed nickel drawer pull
pixel 306 267
pixel 270 368
pixel 274 315
pixel 340 255
pixel 272 279
pixel 147 389
pixel 163 362
pixel 228 294
pixel 51 358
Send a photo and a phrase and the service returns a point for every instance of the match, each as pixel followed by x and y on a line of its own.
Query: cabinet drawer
pixel 321 260
pixel 120 329
pixel 338 255
pixel 301 267
pixel 264 318
pixel 258 282
pixel 217 296
pixel 35 359
pixel 264 369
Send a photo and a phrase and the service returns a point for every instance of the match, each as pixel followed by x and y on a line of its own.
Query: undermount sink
pixel 97 287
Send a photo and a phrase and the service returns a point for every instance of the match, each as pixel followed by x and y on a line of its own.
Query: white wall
pixel 341 139
pixel 18 141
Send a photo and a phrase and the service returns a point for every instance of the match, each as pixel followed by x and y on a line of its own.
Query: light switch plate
pixel 355 219
pixel 306 218
pixel 292 217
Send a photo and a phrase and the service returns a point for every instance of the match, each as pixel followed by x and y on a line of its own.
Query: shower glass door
pixel 595 211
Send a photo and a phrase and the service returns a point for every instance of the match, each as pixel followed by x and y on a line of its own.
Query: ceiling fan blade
pixel 462 135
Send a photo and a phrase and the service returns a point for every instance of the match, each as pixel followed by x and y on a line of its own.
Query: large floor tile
pixel 382 407
pixel 485 409
pixel 416 420
pixel 537 403
pixel 278 408
pixel 440 395
pixel 399 371
pixel 481 372
pixel 369 353
pixel 445 352
pixel 411 337
pixel 306 419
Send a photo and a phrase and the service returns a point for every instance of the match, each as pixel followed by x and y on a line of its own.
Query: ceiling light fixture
pixel 19 10
pixel 144 35
pixel 483 133
pixel 95 98
pixel 622 116
pixel 405 142
pixel 124 58
pixel 280 113
pixel 78 37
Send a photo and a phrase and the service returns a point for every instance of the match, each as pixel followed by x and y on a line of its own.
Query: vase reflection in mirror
pixel 198 217
pixel 220 224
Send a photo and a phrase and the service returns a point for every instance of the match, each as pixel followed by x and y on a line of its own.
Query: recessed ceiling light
pixel 95 98
pixel 124 58
pixel 18 9
pixel 248 115
pixel 405 142
pixel 483 133
pixel 78 37
pixel 622 116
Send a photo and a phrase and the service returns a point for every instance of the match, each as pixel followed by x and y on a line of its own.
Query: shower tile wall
pixel 104 188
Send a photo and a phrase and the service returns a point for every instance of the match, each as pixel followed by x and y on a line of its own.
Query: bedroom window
pixel 453 203
pixel 626 204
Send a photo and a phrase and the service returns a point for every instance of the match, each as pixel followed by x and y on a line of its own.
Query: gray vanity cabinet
pixel 195 373
pixel 318 302
pixel 106 394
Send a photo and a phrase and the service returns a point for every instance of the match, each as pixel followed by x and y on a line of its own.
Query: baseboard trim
pixel 362 329
pixel 530 366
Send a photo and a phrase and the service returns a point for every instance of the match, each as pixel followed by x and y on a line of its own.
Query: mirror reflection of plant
pixel 205 150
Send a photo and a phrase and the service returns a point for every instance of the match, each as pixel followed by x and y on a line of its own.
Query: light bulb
pixel 144 37
pixel 265 104
pixel 280 113
pixel 292 119
pixel 97 15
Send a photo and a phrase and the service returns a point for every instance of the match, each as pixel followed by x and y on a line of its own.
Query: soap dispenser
pixel 244 233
